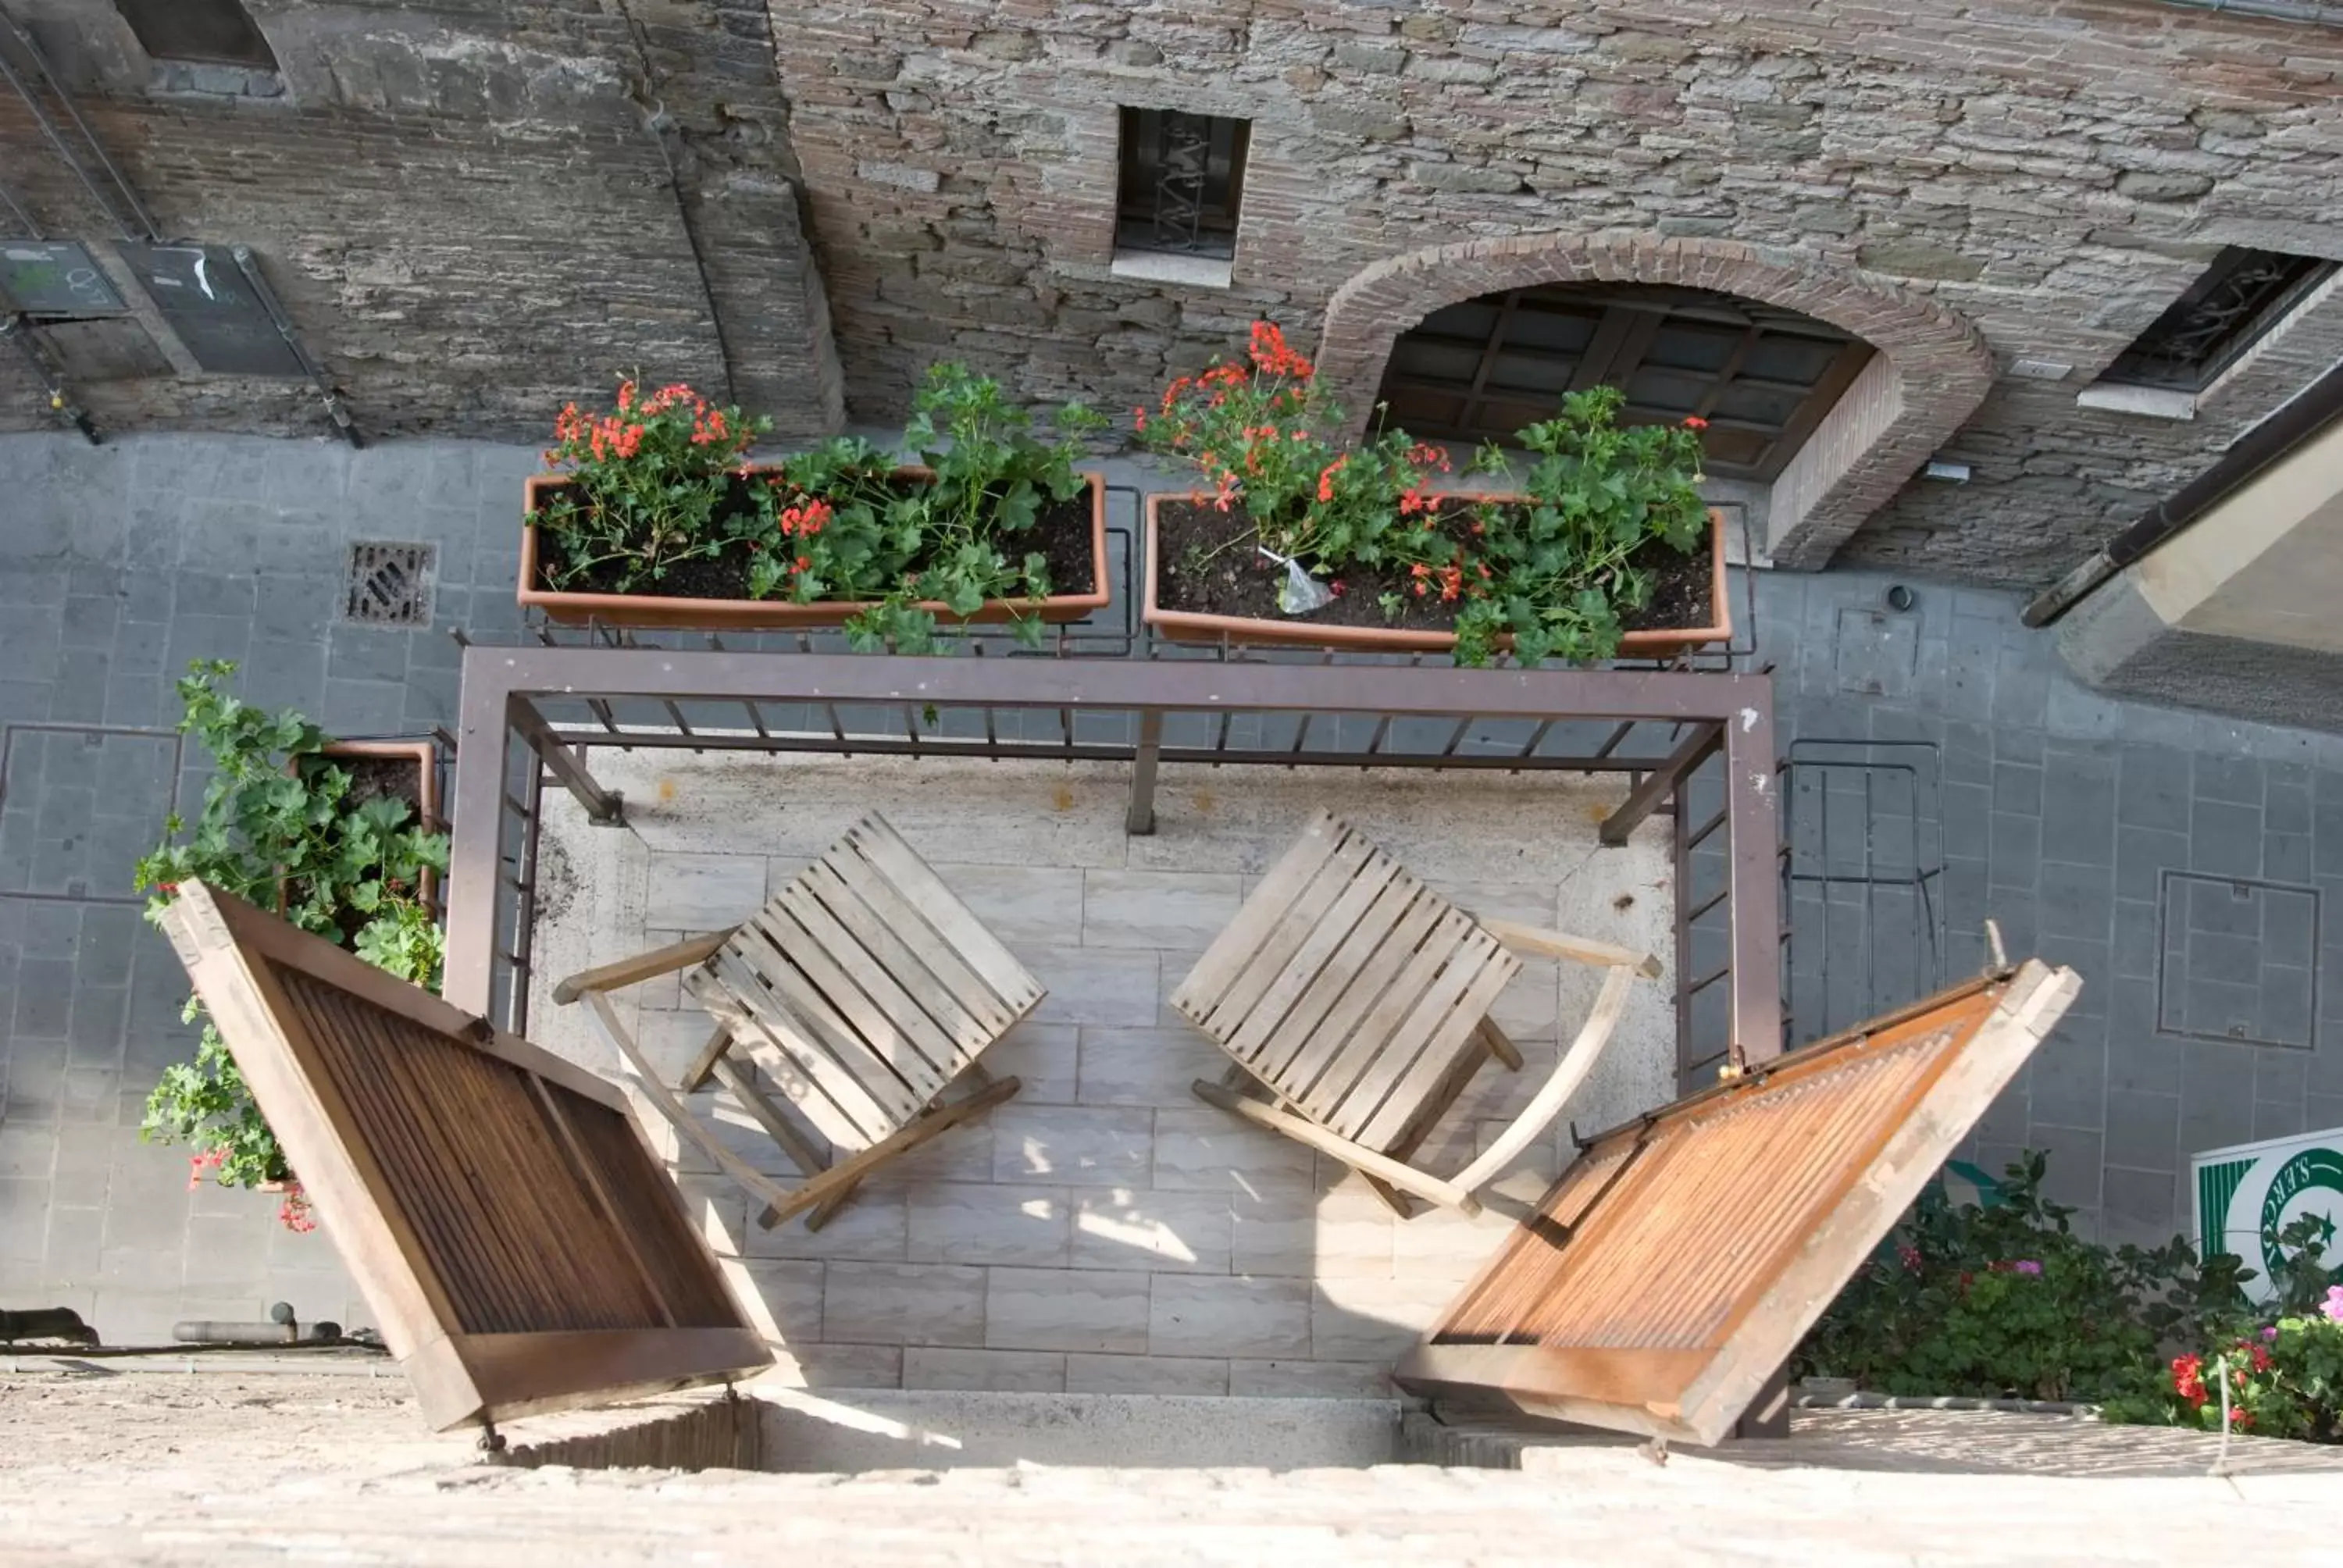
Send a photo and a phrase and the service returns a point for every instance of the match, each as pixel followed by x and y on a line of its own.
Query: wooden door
pixel 1762 377
pixel 521 1247
pixel 1676 1265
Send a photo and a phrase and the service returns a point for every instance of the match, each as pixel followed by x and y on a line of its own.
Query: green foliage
pixel 1554 571
pixel 837 523
pixel 666 480
pixel 1560 566
pixel 2282 1365
pixel 2008 1301
pixel 646 482
pixel 278 828
pixel 204 1103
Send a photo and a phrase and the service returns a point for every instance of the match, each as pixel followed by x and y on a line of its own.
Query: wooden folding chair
pixel 1355 1003
pixel 864 991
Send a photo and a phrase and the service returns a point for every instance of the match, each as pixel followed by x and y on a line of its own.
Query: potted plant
pixel 338 837
pixel 658 517
pixel 1605 550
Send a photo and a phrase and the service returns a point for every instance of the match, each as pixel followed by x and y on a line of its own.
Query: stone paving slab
pixel 1105 1231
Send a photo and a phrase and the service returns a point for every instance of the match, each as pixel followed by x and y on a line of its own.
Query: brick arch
pixel 1930 371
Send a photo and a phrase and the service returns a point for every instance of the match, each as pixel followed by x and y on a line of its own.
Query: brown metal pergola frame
pixel 531 713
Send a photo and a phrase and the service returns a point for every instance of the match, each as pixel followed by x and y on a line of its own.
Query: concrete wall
pixel 2239 611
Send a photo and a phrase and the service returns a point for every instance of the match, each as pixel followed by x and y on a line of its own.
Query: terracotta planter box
pixel 425 756
pixel 1195 625
pixel 781 615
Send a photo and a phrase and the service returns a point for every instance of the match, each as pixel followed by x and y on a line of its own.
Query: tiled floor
pixel 1105 1231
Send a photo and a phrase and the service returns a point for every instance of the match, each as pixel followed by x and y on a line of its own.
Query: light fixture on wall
pixel 1950 472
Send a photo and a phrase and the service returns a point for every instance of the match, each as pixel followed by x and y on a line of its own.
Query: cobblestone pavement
pixel 2182 863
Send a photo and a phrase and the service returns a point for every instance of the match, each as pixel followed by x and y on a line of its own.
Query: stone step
pixel 852 1430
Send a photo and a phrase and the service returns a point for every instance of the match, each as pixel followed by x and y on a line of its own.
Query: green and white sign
pixel 2246 1195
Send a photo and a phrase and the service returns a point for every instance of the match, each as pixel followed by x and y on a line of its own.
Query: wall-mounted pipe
pixel 2295 421
pixel 48 73
pixel 249 264
pixel 18 328
pixel 24 219
pixel 2309 12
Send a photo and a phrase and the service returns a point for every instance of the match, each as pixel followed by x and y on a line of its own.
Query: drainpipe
pixel 2315 13
pixel 2304 415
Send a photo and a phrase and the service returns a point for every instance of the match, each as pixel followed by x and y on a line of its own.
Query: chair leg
pixel 1394 1199
pixel 809 1161
pixel 826 1209
pixel 1504 1048
pixel 844 1176
pixel 704 1063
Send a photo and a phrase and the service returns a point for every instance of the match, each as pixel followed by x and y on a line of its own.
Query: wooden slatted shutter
pixel 1676 1265
pixel 520 1246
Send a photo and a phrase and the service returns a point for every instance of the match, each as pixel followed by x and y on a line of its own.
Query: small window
pixel 2240 297
pixel 1183 175
pixel 205 31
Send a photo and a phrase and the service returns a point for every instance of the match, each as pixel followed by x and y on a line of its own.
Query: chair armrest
pixel 641 967
pixel 1568 1074
pixel 1548 944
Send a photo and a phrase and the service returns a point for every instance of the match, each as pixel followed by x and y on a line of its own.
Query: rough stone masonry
pixel 475 211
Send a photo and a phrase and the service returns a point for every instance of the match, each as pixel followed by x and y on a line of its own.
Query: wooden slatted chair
pixel 864 991
pixel 1355 1003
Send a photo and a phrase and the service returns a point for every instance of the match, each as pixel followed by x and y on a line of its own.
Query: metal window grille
pixel 1181 182
pixel 2239 298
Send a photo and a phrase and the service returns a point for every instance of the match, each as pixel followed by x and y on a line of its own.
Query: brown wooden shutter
pixel 1676 1265
pixel 520 1246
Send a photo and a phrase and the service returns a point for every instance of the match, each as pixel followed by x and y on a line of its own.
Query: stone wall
pixel 2052 175
pixel 476 210
pixel 473 212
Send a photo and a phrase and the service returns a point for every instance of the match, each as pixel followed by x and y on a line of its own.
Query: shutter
pixel 520 1246
pixel 1676 1265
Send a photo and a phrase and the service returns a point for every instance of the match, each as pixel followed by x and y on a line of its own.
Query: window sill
pixel 1166 266
pixel 2147 402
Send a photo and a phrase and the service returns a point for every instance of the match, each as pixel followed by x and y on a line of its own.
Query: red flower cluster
pixel 805 521
pixel 295 1213
pixel 1270 353
pixel 201 1163
pixel 2188 1380
pixel 1326 477
pixel 1694 422
pixel 1449 579
pixel 620 435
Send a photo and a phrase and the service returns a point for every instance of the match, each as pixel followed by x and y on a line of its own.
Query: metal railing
pixel 1697 746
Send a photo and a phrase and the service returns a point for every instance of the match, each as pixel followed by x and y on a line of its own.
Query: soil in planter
pixel 1238 581
pixel 372 777
pixel 1060 532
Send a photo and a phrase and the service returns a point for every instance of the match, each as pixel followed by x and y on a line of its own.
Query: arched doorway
pixel 1762 377
pixel 1927 371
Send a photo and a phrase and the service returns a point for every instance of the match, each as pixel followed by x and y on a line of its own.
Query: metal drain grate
pixel 389 584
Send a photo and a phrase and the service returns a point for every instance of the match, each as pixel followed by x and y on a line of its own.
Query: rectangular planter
pixel 425 755
pixel 781 615
pixel 1192 626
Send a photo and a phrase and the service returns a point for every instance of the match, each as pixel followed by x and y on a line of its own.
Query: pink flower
pixel 2333 1305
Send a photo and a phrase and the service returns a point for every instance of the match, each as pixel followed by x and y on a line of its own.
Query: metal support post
pixel 1658 785
pixel 603 806
pixel 1140 820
